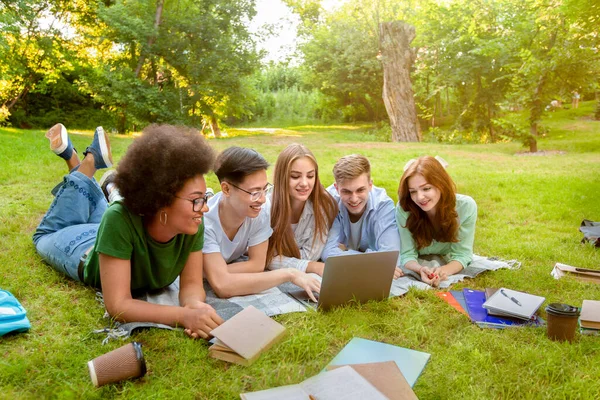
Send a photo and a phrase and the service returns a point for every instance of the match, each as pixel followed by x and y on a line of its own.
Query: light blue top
pixel 461 251
pixel 379 230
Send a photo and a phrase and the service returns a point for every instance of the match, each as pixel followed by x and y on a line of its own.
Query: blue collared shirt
pixel 379 230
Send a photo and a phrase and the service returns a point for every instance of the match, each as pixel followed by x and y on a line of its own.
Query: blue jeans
pixel 70 225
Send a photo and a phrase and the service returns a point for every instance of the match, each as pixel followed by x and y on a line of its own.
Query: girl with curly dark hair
pixel 144 241
pixel 434 220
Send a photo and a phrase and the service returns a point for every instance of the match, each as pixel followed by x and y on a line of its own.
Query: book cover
pixel 385 377
pixel 512 303
pixel 245 336
pixel 590 314
pixel 460 298
pixel 449 298
pixel 360 351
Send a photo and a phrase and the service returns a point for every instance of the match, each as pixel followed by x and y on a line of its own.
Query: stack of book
pixel 589 320
pixel 495 308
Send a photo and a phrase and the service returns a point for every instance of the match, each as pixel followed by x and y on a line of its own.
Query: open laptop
pixel 359 277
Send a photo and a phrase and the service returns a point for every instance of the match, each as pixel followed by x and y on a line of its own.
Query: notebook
pixel 449 298
pixel 590 314
pixel 474 300
pixel 244 337
pixel 359 351
pixel 512 303
pixel 342 383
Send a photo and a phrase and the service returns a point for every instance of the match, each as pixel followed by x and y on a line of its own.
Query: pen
pixel 510 297
pixel 311 397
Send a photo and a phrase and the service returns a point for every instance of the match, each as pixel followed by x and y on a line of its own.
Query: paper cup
pixel 562 321
pixel 126 362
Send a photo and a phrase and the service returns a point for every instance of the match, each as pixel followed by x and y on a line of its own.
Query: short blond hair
pixel 351 167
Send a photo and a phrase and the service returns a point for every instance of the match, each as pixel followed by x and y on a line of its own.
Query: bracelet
pixel 421 269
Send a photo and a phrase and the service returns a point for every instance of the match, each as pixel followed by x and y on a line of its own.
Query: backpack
pixel 13 316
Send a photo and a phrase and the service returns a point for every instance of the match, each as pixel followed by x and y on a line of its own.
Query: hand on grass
pixel 199 320
pixel 306 282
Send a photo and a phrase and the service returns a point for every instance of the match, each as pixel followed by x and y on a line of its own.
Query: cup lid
pixel 562 309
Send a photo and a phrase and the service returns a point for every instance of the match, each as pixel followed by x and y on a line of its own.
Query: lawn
pixel 530 208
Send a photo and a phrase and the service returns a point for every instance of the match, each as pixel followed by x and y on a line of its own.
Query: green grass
pixel 529 209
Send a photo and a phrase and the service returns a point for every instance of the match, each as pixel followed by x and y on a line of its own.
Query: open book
pixel 245 336
pixel 340 384
pixel 581 274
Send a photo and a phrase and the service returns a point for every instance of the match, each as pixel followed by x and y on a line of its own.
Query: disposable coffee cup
pixel 562 321
pixel 126 362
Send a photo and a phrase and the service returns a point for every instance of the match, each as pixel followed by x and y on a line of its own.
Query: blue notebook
pixel 475 299
pixel 360 351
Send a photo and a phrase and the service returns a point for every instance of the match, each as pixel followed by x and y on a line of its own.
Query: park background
pixel 483 76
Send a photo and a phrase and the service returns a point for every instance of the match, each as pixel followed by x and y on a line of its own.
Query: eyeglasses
pixel 199 202
pixel 255 196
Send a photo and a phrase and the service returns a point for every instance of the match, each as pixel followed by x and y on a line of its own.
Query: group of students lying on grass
pixel 162 223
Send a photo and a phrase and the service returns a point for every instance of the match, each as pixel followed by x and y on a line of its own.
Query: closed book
pixel 360 351
pixel 512 303
pixel 590 314
pixel 244 337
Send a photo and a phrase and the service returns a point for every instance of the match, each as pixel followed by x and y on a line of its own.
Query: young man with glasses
pixel 238 229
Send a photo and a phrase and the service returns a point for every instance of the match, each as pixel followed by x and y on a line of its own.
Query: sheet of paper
pixel 292 392
pixel 341 384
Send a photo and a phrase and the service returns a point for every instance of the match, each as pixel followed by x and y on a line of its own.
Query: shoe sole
pixel 59 138
pixel 106 175
pixel 104 147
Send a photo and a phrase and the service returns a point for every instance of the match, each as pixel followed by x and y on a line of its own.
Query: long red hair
pixel 444 226
pixel 282 242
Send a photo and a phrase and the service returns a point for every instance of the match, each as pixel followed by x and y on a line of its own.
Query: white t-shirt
pixel 252 232
pixel 356 233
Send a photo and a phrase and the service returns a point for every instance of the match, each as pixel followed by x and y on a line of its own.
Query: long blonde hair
pixel 282 242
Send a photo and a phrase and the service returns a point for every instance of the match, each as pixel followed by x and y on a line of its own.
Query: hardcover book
pixel 244 337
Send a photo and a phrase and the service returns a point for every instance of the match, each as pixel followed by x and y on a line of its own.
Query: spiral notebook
pixel 512 303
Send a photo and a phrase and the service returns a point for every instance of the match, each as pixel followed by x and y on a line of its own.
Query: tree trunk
pixel 214 126
pixel 152 38
pixel 397 58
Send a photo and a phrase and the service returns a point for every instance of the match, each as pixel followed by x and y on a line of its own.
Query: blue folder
pixel 475 299
pixel 362 351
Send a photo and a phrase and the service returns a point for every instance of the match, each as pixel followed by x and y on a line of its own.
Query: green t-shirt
pixel 154 265
pixel 461 251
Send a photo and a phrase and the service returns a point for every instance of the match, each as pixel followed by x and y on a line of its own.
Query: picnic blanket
pixel 478 265
pixel 276 301
pixel 272 302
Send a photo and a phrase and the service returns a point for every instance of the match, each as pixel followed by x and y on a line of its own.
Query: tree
pixel 398 96
pixel 34 54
